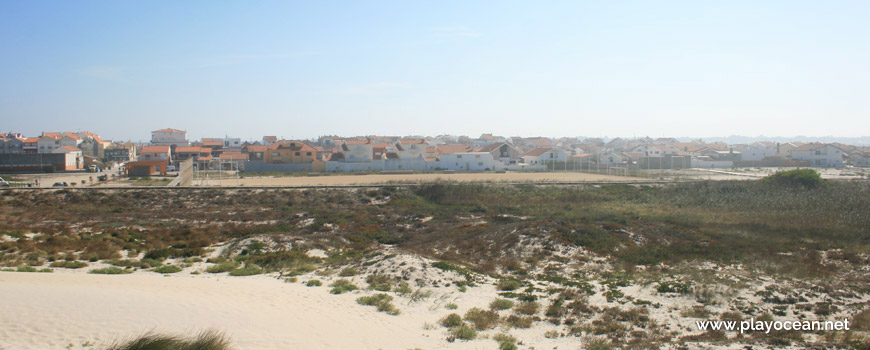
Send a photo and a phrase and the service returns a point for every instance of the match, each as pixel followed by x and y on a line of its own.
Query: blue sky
pixel 553 68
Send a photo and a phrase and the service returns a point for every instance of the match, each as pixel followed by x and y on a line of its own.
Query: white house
pixel 411 149
pixel 357 151
pixel 49 141
pixel 612 158
pixel 819 154
pixel 755 151
pixel 469 161
pixel 74 156
pixel 544 156
pixel 169 137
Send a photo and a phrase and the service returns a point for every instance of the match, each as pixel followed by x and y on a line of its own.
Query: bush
pixel 502 337
pixel 382 283
pixel 209 340
pixel 248 270
pixel 223 267
pixel 501 304
pixel 168 269
pixel 595 343
pixel 111 270
pixel 463 332
pixel 314 283
pixel 347 272
pixel 341 286
pixel 481 319
pixel 69 264
pixel 420 294
pixel 806 178
pixel 451 320
pixel 509 284
pixel 381 301
pixel 507 346
pixel 519 321
pixel 451 306
pixel 31 269
pixel 527 307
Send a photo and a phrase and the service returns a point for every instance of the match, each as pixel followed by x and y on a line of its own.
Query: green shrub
pixel 501 304
pixel 519 321
pixel 347 272
pixel 111 270
pixel 463 332
pixel 314 283
pixel 676 287
pixel 481 319
pixel 504 338
pixel 451 320
pixel 25 268
pixel 341 286
pixel 69 264
pixel 378 282
pixel 527 307
pixel 248 270
pixel 509 284
pixel 381 301
pixel 402 289
pixel 806 178
pixel 209 340
pixel 451 306
pixel 168 269
pixel 223 267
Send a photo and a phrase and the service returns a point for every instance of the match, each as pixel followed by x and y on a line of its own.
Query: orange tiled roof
pixel 168 130
pixel 155 149
pixel 537 152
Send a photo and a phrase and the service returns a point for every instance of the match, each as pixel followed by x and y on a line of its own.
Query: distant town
pixel 169 148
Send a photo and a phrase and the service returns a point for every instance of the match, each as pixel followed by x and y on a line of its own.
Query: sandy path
pixel 49 311
pixel 384 178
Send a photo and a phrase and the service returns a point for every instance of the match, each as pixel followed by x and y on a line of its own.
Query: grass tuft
pixel 111 270
pixel 208 340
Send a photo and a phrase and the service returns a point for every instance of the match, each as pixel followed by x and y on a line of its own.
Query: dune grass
pixel 223 267
pixel 207 340
pixel 248 270
pixel 111 270
pixel 381 301
pixel 69 264
pixel 168 269
pixel 342 286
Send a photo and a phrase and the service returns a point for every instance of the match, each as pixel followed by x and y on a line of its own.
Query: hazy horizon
pixel 301 70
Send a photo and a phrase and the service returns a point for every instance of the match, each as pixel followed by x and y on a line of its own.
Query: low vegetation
pixel 381 301
pixel 208 340
pixel 112 270
pixel 791 227
pixel 342 286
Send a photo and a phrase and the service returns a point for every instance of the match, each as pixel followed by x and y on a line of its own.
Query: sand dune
pixel 53 310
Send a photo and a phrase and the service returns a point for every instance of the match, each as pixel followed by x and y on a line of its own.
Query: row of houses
pixel 443 152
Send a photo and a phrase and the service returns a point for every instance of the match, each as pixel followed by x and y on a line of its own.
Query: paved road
pixel 48 179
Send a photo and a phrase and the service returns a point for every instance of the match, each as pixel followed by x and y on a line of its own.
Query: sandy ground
pixel 53 310
pixel 338 180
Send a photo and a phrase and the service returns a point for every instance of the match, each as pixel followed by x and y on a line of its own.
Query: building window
pixel 297 154
pixel 307 153
pixel 276 154
pixel 458 156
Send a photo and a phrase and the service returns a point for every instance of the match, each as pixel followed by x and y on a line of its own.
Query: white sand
pixel 52 310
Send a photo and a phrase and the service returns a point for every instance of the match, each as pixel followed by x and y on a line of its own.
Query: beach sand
pixel 53 310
